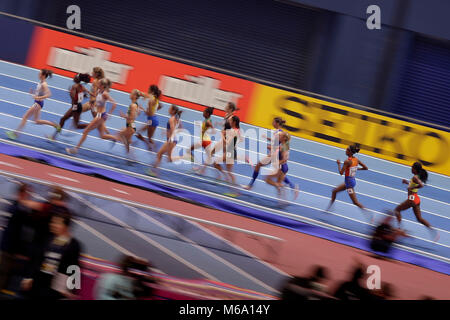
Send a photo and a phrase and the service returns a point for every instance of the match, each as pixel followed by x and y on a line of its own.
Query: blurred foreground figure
pixel 130 284
pixel 13 247
pixel 353 289
pixel 306 288
pixel 385 235
pixel 48 272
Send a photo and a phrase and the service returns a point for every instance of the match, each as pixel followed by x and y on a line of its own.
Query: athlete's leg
pixel 402 206
pixel 335 191
pixel 76 121
pixel 352 195
pixel 91 126
pixel 67 115
pixel 418 214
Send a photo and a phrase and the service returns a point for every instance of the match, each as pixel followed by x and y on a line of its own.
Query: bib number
pixel 350 191
pixel 74 107
pixel 80 97
pixel 352 171
pixel 412 197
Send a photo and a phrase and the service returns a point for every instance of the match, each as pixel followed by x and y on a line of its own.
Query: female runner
pixel 276 179
pixel 417 181
pixel 172 126
pixel 130 129
pixel 152 120
pixel 277 123
pixel 350 167
pixel 41 93
pixel 230 140
pixel 99 121
pixel 77 93
pixel 97 74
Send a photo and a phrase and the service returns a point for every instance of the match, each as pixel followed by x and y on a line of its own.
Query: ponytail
pixel 354 148
pixel 82 77
pixel 421 172
pixel 177 111
pixel 98 73
pixel 46 73
pixel 210 111
pixel 155 91
pixel 105 83
pixel 85 77
pixel 232 106
pixel 279 120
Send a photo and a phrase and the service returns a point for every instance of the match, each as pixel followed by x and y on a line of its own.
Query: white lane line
pixel 63 177
pixel 144 237
pixel 104 238
pixel 293 149
pixel 274 211
pixel 222 184
pixel 240 175
pixel 192 122
pixel 203 249
pixel 120 191
pixel 10 165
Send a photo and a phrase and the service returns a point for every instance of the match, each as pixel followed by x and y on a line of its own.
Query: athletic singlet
pixel 78 96
pixel 227 125
pixel 351 171
pixel 177 124
pixel 100 102
pixel 155 105
pixel 413 185
pixel 40 89
pixel 93 98
pixel 129 113
pixel 205 136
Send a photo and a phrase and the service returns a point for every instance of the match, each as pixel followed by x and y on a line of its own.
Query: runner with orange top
pixel 350 167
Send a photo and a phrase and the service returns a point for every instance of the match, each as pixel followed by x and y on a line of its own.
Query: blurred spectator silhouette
pixel 385 235
pixel 55 250
pixel 311 287
pixel 129 284
pixel 14 244
pixel 353 289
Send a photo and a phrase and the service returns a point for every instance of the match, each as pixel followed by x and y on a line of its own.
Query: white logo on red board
pixel 84 59
pixel 199 90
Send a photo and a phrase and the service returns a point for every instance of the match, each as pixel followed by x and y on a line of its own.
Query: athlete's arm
pixel 110 99
pixel 363 166
pixel 342 170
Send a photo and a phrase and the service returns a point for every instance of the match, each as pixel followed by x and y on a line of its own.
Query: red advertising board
pixel 181 84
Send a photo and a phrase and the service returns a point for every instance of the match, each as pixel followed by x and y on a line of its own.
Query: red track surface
pixel 295 256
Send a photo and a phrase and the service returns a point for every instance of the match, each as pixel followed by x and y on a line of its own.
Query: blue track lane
pixel 312 165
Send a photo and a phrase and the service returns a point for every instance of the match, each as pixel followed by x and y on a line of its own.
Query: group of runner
pixel 278 146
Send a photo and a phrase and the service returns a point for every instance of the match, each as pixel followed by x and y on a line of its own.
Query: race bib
pixel 412 197
pixel 80 97
pixel 352 171
pixel 350 190
pixel 74 107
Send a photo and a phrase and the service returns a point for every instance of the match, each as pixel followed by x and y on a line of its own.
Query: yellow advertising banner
pixel 338 125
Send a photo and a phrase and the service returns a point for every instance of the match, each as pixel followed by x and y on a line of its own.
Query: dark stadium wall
pixel 301 47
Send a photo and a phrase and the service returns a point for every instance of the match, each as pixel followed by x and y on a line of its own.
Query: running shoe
pixel 152 173
pixel 11 135
pixel 296 191
pixel 58 129
pixel 71 151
